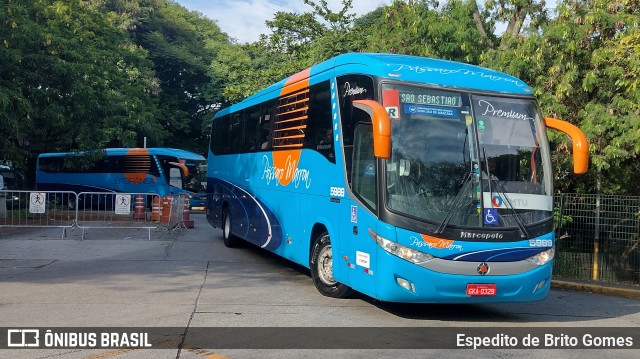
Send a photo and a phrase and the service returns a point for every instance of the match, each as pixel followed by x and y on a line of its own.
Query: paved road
pixel 189 279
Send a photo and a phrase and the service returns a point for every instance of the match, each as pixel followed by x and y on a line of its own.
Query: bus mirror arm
pixel 580 143
pixel 381 126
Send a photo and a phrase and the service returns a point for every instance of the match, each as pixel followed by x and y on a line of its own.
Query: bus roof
pixel 423 70
pixel 152 151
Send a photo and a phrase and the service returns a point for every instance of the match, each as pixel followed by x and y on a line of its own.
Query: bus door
pixel 358 248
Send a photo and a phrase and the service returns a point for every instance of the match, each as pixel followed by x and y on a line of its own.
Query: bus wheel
pixel 321 264
pixel 71 205
pixel 230 240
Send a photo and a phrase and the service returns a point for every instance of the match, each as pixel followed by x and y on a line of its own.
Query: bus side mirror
pixel 381 126
pixel 580 143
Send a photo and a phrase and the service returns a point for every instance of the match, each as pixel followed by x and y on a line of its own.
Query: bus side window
pixel 352 87
pixel 235 132
pixel 364 166
pixel 266 125
pixel 251 122
pixel 220 139
pixel 319 132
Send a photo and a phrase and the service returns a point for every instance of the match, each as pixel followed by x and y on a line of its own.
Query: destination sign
pixel 431 111
pixel 438 99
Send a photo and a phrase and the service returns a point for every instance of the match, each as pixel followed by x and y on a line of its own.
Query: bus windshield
pixel 196 179
pixel 466 160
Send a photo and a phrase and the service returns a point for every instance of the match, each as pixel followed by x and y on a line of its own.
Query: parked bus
pixel 405 178
pixel 133 170
pixel 11 180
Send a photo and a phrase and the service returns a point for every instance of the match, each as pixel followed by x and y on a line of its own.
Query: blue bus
pixel 405 178
pixel 134 170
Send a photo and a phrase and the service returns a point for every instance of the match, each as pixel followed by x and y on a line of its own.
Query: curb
pixel 595 288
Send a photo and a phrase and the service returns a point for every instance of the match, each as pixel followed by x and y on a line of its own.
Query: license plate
pixel 487 290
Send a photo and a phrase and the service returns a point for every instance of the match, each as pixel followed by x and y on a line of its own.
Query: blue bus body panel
pixel 260 205
pixel 280 217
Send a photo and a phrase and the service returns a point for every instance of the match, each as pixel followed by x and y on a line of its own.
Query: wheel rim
pixel 325 266
pixel 227 225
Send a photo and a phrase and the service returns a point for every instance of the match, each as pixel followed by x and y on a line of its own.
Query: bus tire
pixel 71 205
pixel 230 241
pixel 321 264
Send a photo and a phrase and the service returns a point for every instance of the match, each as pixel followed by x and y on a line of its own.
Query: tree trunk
pixel 480 25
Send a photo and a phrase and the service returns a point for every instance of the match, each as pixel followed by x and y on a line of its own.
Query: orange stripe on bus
pixel 435 242
pixel 294 111
pixel 296 82
pixel 288 159
pixel 301 118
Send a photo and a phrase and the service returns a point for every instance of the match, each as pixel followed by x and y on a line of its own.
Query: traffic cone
pixel 188 223
pixel 165 209
pixel 155 209
pixel 138 210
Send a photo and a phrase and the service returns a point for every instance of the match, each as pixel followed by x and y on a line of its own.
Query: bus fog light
pixel 406 284
pixel 539 285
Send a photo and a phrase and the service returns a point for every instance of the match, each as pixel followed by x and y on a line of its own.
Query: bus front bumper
pixel 402 281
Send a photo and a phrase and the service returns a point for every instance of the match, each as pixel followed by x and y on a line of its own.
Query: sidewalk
pixel 619 290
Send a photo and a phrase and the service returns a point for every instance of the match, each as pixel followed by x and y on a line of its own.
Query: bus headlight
pixel 543 257
pixel 399 250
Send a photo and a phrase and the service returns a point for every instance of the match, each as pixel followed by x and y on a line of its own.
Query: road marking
pixel 110 354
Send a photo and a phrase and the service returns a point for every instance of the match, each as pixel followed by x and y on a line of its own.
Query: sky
pixel 244 20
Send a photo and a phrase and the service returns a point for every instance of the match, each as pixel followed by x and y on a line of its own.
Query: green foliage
pixel 400 29
pixel 584 67
pixel 84 75
pixel 249 68
pixel 181 46
pixel 88 74
pixel 71 80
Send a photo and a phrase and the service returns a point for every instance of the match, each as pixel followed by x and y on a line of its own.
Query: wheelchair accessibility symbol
pixel 491 216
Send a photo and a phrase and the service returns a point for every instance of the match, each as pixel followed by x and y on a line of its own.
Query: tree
pixel 296 42
pixel 71 80
pixel 315 36
pixel 14 107
pixel 249 68
pixel 428 28
pixel 584 68
pixel 181 45
pixel 519 15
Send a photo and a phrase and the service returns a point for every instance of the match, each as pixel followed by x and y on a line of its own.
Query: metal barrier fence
pixel 176 206
pixel 92 210
pixel 38 209
pixel 99 210
pixel 598 237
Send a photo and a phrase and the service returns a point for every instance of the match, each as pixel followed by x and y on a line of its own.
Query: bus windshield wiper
pixel 455 203
pixel 501 191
